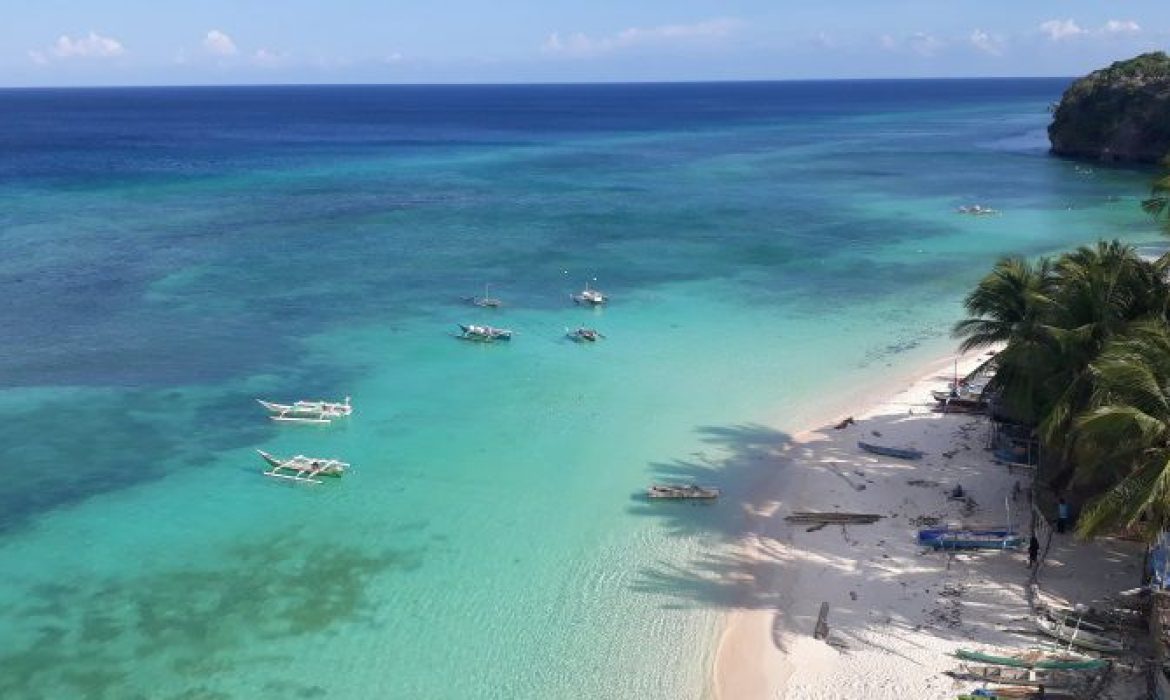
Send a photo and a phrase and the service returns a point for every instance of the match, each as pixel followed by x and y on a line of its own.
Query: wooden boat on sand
pixel 302 468
pixel 1066 630
pixel 680 491
pixel 1035 659
pixel 991 673
pixel 900 453
pixel 969 539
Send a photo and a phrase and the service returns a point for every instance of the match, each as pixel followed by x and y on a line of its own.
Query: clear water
pixel 172 254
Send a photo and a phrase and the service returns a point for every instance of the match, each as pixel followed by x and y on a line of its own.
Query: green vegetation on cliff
pixel 1120 113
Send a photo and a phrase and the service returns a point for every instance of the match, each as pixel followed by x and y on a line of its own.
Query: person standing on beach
pixel 1061 516
pixel 1033 550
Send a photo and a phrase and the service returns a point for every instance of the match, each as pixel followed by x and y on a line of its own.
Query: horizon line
pixel 155 86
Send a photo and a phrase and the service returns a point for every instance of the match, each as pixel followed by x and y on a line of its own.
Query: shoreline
pixel 759 649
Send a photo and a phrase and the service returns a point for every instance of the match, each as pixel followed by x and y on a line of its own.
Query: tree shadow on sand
pixel 761 559
pixel 746 456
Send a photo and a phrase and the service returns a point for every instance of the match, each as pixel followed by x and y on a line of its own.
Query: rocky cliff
pixel 1120 113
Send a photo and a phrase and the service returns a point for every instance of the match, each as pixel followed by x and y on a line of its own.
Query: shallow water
pixel 770 249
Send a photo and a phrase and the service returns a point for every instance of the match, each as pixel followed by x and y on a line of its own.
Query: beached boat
pixel 583 335
pixel 1036 659
pixel 1067 631
pixel 307 411
pixel 592 297
pixel 484 333
pixel 302 468
pixel 487 301
pixel 898 452
pixel 969 539
pixel 682 491
pixel 1012 693
pixel 969 396
pixel 992 673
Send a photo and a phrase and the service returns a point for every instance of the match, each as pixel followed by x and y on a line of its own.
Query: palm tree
pixel 1101 290
pixel 1158 203
pixel 1009 307
pixel 1007 304
pixel 1125 440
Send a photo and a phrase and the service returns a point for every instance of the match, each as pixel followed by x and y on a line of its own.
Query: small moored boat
pixel 593 297
pixel 900 453
pixel 307 411
pixel 302 468
pixel 976 210
pixel 682 491
pixel 487 301
pixel 484 333
pixel 584 335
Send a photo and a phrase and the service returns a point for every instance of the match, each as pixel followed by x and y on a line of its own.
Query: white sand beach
pixel 896 612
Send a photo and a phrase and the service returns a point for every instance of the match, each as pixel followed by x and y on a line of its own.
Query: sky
pixel 200 42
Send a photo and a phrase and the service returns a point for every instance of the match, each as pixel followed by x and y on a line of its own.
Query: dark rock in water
pixel 1116 114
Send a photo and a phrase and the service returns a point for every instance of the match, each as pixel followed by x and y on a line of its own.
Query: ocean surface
pixel 772 251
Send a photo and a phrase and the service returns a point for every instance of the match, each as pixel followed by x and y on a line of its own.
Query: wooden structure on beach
pixel 804 516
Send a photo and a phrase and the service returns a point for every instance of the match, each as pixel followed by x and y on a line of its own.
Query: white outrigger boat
pixel 682 491
pixel 1068 631
pixel 485 334
pixel 302 468
pixel 593 297
pixel 307 411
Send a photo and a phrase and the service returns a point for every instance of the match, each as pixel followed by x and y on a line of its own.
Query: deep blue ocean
pixel 171 254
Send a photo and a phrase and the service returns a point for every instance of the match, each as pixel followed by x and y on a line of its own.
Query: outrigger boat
pixel 898 452
pixel 302 468
pixel 487 301
pixel 307 411
pixel 1036 659
pixel 1077 636
pixel 682 491
pixel 583 335
pixel 589 296
pixel 485 334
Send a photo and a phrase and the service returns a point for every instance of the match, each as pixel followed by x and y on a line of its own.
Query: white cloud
pixel 92 46
pixel 582 44
pixel 921 43
pixel 219 44
pixel 1058 29
pixel 986 43
pixel 924 44
pixel 1121 26
pixel 268 59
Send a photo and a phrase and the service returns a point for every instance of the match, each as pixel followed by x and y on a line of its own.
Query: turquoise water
pixel 772 250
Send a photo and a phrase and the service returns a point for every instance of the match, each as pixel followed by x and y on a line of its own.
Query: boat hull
pixel 1055 664
pixel 682 492
pixel 969 539
pixel 1077 637
pixel 897 452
